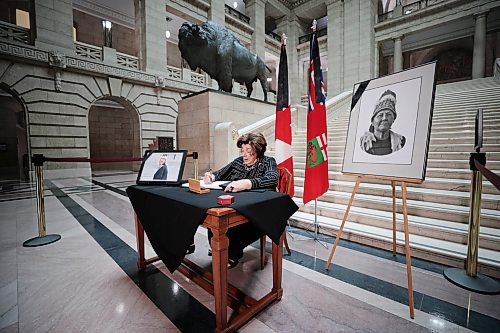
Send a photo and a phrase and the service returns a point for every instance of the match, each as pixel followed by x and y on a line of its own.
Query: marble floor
pixel 88 281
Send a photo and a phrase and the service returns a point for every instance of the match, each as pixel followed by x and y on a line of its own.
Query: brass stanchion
pixel 43 238
pixel 474 221
pixel 470 279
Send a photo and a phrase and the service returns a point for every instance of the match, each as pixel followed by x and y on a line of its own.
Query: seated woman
pixel 252 170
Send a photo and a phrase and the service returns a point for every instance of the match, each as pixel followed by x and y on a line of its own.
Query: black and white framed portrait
pixel 162 167
pixel 389 125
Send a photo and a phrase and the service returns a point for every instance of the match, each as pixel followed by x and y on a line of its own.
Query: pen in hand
pixel 208 177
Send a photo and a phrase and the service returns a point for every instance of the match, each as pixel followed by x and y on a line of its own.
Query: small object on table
pixel 225 199
pixel 194 186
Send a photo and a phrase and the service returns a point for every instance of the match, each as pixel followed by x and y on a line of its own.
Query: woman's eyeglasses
pixel 248 152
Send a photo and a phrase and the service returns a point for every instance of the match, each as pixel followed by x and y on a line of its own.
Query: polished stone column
pixel 150 33
pixel 54 25
pixel 479 55
pixel 216 13
pixel 335 45
pixel 290 25
pixel 398 54
pixel 256 10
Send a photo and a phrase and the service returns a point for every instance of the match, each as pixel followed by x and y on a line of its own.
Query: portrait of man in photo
pixel 380 139
pixel 162 171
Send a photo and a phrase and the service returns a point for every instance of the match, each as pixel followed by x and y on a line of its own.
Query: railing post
pixel 43 238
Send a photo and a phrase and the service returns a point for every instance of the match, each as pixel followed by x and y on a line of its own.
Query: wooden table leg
pixel 219 244
pixel 277 267
pixel 139 235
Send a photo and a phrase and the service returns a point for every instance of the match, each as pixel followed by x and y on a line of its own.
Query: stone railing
pixel 127 60
pixel 272 45
pixel 236 14
pixel 307 38
pixel 243 90
pixel 275 36
pixel 14 32
pixel 410 8
pixel 198 78
pixel 88 51
pixel 95 53
pixel 407 9
pixel 174 73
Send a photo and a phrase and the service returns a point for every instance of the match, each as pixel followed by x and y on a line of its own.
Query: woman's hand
pixel 207 178
pixel 239 185
pixel 367 140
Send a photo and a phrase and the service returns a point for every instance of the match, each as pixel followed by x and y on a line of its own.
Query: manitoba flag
pixel 283 130
pixel 316 169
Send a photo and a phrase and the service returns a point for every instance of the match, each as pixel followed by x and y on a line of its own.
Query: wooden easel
pixel 405 215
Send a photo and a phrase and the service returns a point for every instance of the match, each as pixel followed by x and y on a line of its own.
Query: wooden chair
pixel 284 186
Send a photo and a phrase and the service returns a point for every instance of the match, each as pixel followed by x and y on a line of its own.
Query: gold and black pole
pixel 43 238
pixel 470 279
pixel 195 161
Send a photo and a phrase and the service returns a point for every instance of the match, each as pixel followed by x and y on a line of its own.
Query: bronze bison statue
pixel 215 50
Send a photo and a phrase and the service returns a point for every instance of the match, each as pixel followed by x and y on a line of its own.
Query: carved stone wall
pixel 58 121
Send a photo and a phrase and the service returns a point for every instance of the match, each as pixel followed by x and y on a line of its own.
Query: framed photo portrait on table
pixel 162 167
pixel 390 123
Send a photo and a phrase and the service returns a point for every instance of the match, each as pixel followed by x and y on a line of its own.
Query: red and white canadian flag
pixel 283 130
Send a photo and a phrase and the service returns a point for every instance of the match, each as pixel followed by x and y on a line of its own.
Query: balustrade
pixel 14 32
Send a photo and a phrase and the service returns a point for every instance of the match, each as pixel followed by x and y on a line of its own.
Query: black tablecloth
pixel 171 215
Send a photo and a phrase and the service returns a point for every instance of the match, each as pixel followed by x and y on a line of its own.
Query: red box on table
pixel 225 199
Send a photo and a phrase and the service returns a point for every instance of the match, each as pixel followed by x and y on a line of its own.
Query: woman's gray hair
pixel 257 141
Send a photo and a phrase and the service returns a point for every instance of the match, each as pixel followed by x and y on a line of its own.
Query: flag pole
pixel 315 64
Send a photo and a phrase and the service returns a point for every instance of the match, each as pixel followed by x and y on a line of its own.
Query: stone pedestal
pixel 200 113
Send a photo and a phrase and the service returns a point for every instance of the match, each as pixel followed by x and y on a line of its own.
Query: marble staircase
pixel 439 207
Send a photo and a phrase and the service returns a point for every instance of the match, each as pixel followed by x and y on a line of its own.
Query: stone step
pixel 444 134
pixel 459 198
pixel 470 91
pixel 435 183
pixel 439 207
pixel 370 207
pixel 431 228
pixel 464 120
pixel 490 132
pixel 482 83
pixel 335 163
pixel 435 250
pixel 336 148
pixel 490 156
pixel 490 114
pixel 459 128
pixel 472 103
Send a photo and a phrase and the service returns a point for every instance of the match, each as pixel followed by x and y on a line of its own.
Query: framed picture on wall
pixel 389 125
pixel 162 167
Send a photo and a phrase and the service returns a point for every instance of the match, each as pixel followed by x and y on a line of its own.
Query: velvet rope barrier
pixel 493 178
pixel 39 159
pixel 470 279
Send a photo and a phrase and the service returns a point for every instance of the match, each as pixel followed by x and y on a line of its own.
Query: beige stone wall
pixel 199 114
pixel 58 121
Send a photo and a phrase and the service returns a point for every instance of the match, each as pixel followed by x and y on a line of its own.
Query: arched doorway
pixel 114 132
pixel 14 158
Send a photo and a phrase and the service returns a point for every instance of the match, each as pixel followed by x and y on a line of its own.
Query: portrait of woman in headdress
pixel 380 139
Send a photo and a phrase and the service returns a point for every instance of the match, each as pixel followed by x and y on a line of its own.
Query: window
pixel 22 18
